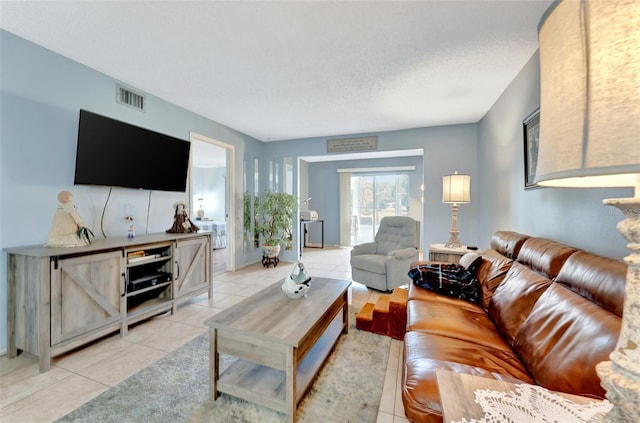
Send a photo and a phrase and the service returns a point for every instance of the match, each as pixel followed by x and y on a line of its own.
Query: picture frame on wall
pixel 531 130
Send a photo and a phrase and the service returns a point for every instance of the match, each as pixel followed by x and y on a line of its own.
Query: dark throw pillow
pixel 452 280
pixel 471 262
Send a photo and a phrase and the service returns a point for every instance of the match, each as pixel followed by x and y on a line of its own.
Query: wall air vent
pixel 130 98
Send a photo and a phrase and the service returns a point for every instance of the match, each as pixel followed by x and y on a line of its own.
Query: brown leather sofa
pixel 549 314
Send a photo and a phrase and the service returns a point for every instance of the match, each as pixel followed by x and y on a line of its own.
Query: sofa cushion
pixel 544 256
pixel 396 233
pixel 514 299
pixel 508 243
pixel 563 339
pixel 425 352
pixel 471 262
pixel 456 319
pixel 596 278
pixel 447 279
pixel 491 273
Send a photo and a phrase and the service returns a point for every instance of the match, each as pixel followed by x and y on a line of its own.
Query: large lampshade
pixel 590 137
pixel 590 94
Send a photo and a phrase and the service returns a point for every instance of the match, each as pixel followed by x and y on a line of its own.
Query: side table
pixel 303 227
pixel 440 253
pixel 457 395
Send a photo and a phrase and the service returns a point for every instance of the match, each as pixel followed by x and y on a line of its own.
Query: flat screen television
pixel 115 153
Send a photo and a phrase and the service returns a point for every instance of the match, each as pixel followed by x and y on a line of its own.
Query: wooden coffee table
pixel 280 343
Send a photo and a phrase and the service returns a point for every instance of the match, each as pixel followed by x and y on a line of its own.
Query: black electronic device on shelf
pixel 148 280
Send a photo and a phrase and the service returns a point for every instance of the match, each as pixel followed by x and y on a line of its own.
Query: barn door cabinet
pixel 85 295
pixel 192 263
pixel 63 298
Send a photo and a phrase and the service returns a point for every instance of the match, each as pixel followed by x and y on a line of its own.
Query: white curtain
pixel 345 209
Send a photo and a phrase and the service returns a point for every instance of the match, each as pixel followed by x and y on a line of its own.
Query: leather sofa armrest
pixel 366 248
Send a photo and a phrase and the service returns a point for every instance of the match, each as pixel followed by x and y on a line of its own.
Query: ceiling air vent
pixel 130 98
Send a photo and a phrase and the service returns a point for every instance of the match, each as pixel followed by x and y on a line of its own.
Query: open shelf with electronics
pixel 149 278
pixel 63 298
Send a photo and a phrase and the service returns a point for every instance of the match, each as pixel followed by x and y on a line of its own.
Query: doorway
pixel 210 196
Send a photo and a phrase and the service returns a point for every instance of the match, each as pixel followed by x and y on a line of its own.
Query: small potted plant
pixel 275 211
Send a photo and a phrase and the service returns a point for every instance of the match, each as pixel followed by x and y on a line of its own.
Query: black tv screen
pixel 115 153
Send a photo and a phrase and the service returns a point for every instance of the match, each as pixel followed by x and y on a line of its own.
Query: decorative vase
pixel 296 285
pixel 270 250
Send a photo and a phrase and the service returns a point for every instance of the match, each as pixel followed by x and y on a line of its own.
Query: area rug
pixel 176 389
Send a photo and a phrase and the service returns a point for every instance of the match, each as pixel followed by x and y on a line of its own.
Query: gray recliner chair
pixel 384 264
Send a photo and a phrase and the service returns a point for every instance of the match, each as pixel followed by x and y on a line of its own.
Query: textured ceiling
pixel 288 70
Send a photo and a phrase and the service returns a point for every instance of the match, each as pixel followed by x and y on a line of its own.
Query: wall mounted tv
pixel 115 153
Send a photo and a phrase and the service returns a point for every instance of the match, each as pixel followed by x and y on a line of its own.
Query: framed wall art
pixel 531 130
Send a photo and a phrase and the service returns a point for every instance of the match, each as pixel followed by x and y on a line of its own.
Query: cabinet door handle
pixel 124 285
pixel 178 271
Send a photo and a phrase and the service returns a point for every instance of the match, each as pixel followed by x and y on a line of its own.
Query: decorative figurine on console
pixel 296 285
pixel 67 229
pixel 131 233
pixel 181 222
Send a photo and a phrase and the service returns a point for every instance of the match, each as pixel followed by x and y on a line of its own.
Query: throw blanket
pixel 452 280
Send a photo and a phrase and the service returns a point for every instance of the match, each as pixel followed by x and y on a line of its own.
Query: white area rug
pixel 176 389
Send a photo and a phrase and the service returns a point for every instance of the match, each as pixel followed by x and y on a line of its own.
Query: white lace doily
pixel 531 403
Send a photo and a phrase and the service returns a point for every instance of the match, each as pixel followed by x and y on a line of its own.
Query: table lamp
pixel 456 190
pixel 200 212
pixel 590 137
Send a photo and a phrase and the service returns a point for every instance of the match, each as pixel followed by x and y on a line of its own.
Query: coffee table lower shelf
pixel 255 382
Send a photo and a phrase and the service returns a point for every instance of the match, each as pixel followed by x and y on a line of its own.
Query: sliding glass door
pixel 374 197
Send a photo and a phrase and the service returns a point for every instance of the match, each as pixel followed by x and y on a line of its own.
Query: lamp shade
pixel 590 94
pixel 456 189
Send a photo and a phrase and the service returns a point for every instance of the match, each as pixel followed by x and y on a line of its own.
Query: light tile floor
pixel 79 376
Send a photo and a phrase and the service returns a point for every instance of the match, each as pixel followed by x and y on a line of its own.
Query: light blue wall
pixel 446 149
pixel 573 216
pixel 41 95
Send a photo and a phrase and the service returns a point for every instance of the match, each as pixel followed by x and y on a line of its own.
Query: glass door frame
pixel 396 207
